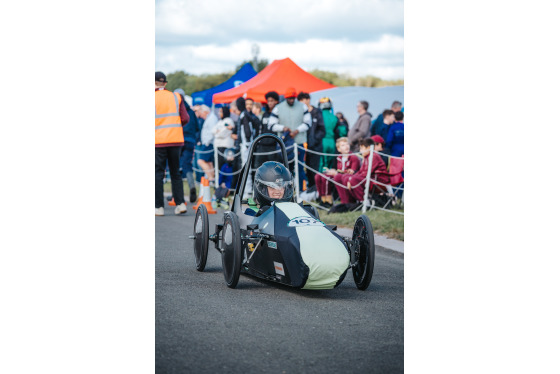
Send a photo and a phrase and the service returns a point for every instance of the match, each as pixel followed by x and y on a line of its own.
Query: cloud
pixel 194 22
pixel 382 58
pixel 356 37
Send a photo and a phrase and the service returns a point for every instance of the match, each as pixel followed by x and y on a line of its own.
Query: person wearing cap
pixel 355 185
pixel 170 118
pixel 378 146
pixel 294 120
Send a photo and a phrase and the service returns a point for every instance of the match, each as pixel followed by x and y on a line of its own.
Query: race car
pixel 284 242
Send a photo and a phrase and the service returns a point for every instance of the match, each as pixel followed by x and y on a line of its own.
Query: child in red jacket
pixel 355 183
pixel 345 165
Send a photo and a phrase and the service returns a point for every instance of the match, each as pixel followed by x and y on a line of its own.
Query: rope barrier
pixel 199 151
pixel 330 179
pixel 256 153
pixel 345 154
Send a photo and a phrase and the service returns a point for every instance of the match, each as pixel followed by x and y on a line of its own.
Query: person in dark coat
pixel 191 132
pixel 395 137
pixel 315 137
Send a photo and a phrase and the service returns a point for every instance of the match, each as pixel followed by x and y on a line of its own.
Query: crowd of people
pixel 186 137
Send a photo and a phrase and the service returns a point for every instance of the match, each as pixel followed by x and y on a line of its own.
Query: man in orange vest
pixel 170 118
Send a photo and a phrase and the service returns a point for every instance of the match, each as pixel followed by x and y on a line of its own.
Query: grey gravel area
pixel 202 326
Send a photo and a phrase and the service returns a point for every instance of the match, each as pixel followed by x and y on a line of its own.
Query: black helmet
pixel 273 174
pixel 325 103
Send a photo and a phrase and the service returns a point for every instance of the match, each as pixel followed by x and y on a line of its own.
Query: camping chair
pixel 381 195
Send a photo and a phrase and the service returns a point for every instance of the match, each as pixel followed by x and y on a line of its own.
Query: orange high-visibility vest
pixel 168 120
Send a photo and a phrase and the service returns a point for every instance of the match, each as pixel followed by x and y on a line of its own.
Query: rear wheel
pixel 201 237
pixel 231 249
pixel 364 249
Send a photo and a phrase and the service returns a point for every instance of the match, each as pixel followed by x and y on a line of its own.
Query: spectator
pixel 315 137
pixel 382 127
pixel 395 137
pixel 205 157
pixel 294 120
pixel 170 116
pixel 191 133
pixel 257 110
pixel 344 165
pixel 234 113
pixel 329 145
pixel 222 134
pixel 341 129
pixel 360 129
pixel 267 145
pixel 355 182
pixel 246 130
pixel 225 178
pixel 396 106
pixel 378 146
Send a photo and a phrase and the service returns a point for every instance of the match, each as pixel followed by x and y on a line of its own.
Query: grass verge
pixel 384 223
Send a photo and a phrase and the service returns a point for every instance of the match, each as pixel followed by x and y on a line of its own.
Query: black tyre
pixel 314 212
pixel 364 252
pixel 311 210
pixel 201 237
pixel 231 249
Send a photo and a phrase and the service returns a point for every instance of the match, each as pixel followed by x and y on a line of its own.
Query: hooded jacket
pixel 359 131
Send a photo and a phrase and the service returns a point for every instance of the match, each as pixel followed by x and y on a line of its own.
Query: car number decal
pixel 304 221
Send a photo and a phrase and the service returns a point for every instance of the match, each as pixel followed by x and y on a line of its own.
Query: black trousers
pixel 172 156
pixel 313 161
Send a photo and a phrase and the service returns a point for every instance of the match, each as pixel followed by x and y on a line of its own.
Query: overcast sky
pixel 357 37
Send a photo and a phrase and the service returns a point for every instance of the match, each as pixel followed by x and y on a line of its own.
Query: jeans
pixel 172 155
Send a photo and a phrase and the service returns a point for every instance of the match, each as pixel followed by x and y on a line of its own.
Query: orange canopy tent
pixel 278 76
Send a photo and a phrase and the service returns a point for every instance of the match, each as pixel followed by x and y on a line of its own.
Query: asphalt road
pixel 202 326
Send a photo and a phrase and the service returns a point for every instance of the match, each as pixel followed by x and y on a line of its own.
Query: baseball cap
pixel 160 77
pixel 378 139
pixel 290 92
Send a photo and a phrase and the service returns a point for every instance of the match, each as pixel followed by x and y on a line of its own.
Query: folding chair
pixel 383 194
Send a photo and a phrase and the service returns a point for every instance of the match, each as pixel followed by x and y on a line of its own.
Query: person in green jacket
pixel 329 145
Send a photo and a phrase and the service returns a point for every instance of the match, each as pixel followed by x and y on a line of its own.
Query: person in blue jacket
pixel 190 133
pixel 395 136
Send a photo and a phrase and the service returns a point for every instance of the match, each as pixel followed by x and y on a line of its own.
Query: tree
pixel 261 64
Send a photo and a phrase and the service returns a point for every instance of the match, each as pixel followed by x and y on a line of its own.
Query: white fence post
pixel 296 169
pixel 216 170
pixel 368 177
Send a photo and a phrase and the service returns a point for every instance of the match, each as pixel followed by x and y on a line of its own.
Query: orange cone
pixel 204 196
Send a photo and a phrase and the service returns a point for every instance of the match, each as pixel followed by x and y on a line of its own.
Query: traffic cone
pixel 204 196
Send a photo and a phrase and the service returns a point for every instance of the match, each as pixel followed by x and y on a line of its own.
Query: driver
pixel 273 182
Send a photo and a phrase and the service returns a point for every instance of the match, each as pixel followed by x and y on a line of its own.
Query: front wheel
pixel 231 249
pixel 364 250
pixel 201 237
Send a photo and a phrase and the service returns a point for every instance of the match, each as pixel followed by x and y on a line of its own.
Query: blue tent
pixel 243 75
pixel 345 99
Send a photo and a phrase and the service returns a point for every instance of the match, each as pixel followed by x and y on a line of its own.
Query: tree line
pixel 193 83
